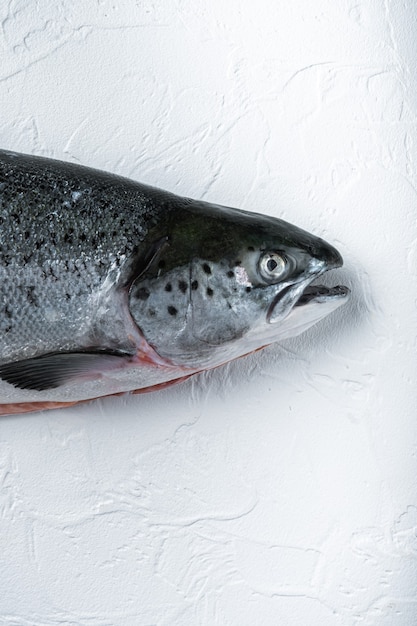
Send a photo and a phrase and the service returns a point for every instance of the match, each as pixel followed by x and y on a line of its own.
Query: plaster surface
pixel 281 489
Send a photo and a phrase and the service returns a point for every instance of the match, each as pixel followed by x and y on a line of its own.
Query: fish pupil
pixel 271 265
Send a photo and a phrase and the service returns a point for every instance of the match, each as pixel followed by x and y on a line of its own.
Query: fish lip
pixel 322 293
pixel 304 293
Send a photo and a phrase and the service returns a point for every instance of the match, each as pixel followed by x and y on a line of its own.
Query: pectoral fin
pixel 50 371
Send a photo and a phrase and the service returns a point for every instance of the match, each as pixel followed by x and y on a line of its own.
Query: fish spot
pixel 168 287
pixel 151 312
pixel 230 274
pixel 238 262
pixel 30 294
pixel 210 291
pixel 251 249
pixel 172 310
pixel 51 273
pixel 142 293
pixel 194 285
pixel 182 286
pixel 248 289
pixel 206 267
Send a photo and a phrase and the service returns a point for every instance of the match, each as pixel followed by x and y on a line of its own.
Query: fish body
pixel 108 285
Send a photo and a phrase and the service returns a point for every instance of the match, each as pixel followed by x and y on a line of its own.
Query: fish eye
pixel 272 266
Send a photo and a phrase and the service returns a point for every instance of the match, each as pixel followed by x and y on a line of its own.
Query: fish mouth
pixel 304 294
pixel 321 293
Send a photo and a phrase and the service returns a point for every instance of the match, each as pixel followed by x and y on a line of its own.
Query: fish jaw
pixel 299 319
pixel 303 315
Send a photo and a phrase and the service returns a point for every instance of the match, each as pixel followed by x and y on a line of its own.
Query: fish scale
pixel 45 245
pixel 108 285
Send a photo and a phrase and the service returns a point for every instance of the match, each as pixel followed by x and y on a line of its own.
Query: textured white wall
pixel 281 489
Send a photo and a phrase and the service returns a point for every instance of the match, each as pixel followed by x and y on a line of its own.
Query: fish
pixel 111 286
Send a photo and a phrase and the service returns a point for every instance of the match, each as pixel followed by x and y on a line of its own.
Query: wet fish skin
pixel 66 231
pixel 108 285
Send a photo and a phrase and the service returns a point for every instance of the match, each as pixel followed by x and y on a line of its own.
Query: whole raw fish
pixel 108 285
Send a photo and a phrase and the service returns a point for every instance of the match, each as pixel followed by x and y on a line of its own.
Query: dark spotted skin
pixel 66 230
pixel 48 207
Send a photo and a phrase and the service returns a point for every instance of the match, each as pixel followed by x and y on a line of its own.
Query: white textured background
pixel 280 490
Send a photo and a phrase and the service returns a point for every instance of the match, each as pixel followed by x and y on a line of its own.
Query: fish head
pixel 229 282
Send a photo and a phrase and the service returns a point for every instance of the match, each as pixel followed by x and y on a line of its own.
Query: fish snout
pixel 328 255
